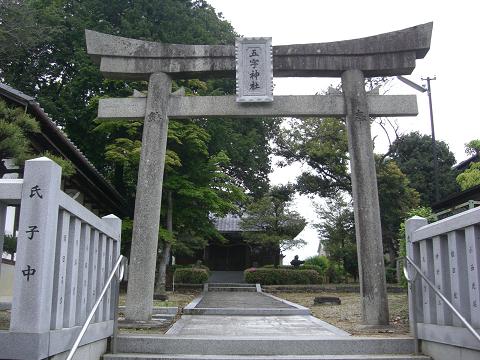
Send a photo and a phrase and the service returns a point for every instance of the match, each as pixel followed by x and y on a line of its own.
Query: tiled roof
pixel 229 223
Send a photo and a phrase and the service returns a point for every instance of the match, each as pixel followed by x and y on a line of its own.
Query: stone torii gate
pixel 389 54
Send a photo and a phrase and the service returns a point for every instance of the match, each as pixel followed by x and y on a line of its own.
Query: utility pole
pixel 434 144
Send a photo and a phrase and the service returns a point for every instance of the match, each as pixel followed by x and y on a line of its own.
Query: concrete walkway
pixel 253 326
pixel 249 314
pixel 239 299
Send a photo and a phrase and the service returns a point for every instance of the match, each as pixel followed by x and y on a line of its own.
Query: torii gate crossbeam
pixel 389 54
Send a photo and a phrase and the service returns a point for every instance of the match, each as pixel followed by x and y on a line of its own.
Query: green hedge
pixel 191 275
pixel 318 269
pixel 173 268
pixel 268 276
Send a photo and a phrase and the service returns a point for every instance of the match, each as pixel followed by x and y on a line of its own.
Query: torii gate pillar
pixel 368 228
pixel 143 254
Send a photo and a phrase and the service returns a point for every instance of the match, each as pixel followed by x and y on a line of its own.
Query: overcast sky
pixel 453 57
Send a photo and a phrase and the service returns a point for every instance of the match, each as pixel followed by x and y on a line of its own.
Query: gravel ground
pixel 174 299
pixel 347 316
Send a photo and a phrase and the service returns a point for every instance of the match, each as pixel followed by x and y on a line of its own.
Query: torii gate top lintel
pixel 388 54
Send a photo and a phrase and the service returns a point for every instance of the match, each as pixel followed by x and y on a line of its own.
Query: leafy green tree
pixel 396 198
pixel 322 145
pixel 247 143
pixel 23 31
pixel 413 154
pixel 337 233
pixel 471 176
pixel 270 222
pixel 53 65
pixel 196 186
pixel 196 178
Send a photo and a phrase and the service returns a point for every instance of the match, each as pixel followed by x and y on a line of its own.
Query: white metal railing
pixel 64 256
pixel 120 266
pixel 446 254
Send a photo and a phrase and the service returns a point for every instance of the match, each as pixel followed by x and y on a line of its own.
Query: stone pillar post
pixel 368 229
pixel 34 269
pixel 148 200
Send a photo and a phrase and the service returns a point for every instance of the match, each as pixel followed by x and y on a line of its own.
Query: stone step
pixel 232 288
pixel 254 346
pixel 247 311
pixel 231 284
pixel 274 357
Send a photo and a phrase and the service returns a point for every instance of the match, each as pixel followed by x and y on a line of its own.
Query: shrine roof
pixel 228 223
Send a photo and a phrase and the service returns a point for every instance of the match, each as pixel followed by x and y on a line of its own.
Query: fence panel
pixel 448 254
pixel 64 256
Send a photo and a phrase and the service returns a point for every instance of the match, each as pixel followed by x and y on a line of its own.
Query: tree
pixel 53 65
pixel 337 233
pixel 55 68
pixel 396 198
pixel 23 30
pixel 197 179
pixel 471 176
pixel 247 142
pixel 322 145
pixel 196 186
pixel 413 154
pixel 269 221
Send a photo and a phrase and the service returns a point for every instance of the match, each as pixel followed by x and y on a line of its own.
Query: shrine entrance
pixel 255 63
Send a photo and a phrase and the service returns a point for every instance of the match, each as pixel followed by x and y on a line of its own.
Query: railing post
pixel 472 240
pixel 34 269
pixel 459 293
pixel 116 224
pixel 114 252
pixel 414 288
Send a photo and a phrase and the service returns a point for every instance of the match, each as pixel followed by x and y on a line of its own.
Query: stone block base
pixel 92 351
pixel 439 351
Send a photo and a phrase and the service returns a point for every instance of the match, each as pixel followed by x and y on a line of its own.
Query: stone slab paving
pixel 213 325
pixel 241 300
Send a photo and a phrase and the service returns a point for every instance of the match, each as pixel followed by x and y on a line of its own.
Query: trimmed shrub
pixel 176 267
pixel 318 269
pixel 194 275
pixel 268 276
pixel 321 261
